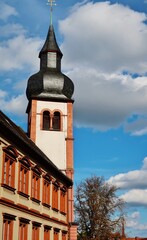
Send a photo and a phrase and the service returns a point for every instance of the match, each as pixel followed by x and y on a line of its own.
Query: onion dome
pixel 50 82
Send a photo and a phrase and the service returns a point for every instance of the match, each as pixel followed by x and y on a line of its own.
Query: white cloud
pixel 20 86
pixel 144 167
pixel 133 221
pixel 15 105
pixel 134 184
pixel 20 52
pixel 16 46
pixel 105 101
pixel 95 56
pixel 135 215
pixel 2 94
pixel 10 29
pixel 136 197
pixel 141 227
pixel 7 81
pixel 137 127
pixel 77 5
pixel 6 11
pixel 119 45
pixel 136 179
pixel 140 132
pixel 132 179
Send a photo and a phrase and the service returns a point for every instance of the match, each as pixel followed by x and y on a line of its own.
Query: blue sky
pixel 105 54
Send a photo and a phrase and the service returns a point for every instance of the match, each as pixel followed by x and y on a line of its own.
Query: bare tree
pixel 98 210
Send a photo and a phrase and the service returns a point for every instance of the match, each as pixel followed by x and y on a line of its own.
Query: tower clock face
pixel 51 59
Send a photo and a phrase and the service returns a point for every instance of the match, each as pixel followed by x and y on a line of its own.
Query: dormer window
pixel 51 59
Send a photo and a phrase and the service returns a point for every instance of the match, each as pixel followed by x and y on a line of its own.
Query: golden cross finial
pixel 51 3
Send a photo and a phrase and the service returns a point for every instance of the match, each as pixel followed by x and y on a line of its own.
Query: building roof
pixel 19 139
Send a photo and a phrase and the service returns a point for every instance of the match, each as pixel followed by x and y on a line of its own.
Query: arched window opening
pixel 56 121
pixel 46 120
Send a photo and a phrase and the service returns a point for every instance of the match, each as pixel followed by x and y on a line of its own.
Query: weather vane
pixel 51 3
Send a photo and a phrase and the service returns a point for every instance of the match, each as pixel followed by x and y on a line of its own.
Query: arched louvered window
pixel 46 120
pixel 56 121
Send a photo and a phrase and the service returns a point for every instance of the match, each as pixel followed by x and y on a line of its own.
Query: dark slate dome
pixel 47 84
pixel 50 82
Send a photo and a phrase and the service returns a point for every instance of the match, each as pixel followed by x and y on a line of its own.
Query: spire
pixel 50 43
pixel 50 82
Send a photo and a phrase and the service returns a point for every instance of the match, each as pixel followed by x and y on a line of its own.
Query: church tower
pixel 50 106
pixel 50 113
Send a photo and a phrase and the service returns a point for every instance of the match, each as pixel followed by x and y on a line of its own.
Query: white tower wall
pixel 52 143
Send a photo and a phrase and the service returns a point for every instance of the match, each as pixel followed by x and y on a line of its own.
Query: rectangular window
pixel 46 192
pixel 35 231
pixel 9 170
pixel 23 179
pixel 56 234
pixel 23 230
pixel 55 197
pixel 63 201
pixel 35 186
pixel 47 233
pixel 8 221
pixel 64 236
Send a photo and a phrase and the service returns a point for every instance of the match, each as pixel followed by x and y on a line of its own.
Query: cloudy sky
pixel 105 54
